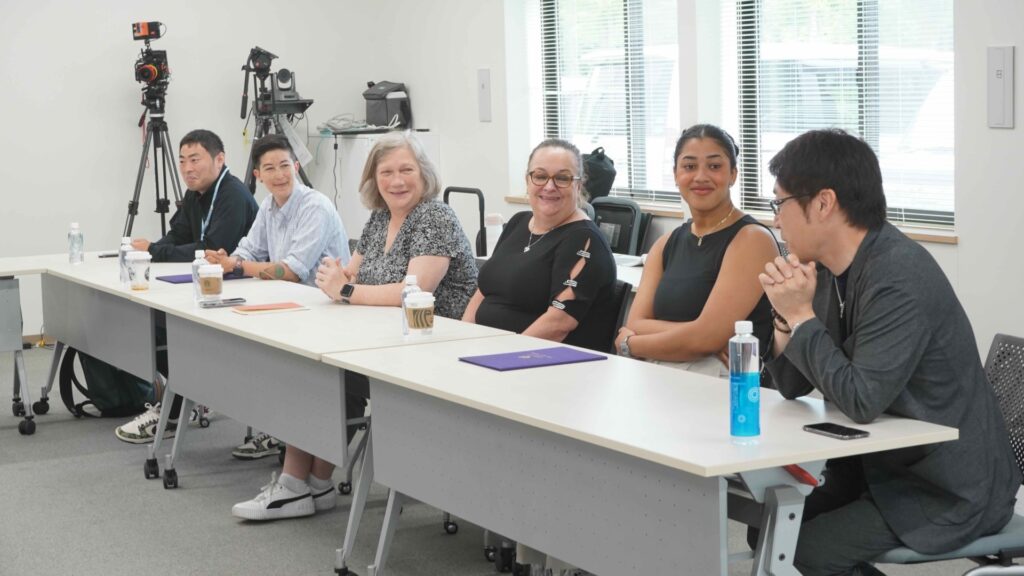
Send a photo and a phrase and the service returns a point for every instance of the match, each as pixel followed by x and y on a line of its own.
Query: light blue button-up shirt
pixel 299 234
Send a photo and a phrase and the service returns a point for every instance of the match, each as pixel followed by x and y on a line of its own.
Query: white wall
pixel 71 103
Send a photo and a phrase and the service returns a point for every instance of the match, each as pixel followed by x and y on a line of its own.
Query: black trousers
pixel 842 529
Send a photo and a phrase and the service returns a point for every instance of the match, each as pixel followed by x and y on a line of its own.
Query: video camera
pixel 151 67
pixel 280 98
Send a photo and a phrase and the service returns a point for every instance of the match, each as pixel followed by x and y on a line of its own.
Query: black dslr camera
pixel 151 67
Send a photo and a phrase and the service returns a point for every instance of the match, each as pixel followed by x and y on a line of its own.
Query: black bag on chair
pixel 600 171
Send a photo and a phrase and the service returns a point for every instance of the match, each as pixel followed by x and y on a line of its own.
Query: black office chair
pixel 994 554
pixel 622 296
pixel 623 223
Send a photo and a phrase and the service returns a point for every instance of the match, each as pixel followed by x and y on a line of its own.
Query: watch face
pixel 624 347
pixel 347 290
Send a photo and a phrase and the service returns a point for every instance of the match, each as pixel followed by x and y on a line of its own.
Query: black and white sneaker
pixel 324 500
pixel 260 446
pixel 274 502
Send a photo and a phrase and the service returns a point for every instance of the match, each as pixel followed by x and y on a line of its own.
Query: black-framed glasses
pixel 561 180
pixel 776 205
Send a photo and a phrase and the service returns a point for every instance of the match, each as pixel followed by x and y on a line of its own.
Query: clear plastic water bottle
pixel 744 383
pixel 122 260
pixel 410 287
pixel 199 261
pixel 493 224
pixel 76 245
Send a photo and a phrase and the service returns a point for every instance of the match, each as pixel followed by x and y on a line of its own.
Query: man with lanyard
pixel 217 212
pixel 867 318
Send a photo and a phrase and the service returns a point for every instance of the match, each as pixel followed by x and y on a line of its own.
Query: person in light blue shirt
pixel 295 228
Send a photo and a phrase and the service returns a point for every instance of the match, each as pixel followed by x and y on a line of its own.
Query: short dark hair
pixel 700 131
pixel 832 158
pixel 268 143
pixel 208 140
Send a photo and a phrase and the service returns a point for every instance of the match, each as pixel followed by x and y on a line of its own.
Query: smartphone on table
pixel 224 303
pixel 836 431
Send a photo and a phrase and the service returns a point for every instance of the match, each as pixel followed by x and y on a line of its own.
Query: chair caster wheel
pixel 451 527
pixel 18 408
pixel 170 478
pixel 41 407
pixel 27 427
pixel 490 553
pixel 151 469
pixel 345 488
pixel 204 422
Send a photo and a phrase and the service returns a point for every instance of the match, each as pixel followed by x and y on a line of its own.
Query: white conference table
pixel 266 370
pixel 616 466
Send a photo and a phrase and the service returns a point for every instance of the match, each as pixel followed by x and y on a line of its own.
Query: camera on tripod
pixel 280 98
pixel 151 67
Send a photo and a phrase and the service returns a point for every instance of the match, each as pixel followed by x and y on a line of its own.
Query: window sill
pixel 914 233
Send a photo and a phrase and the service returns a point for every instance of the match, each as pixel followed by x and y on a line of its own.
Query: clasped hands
pixel 331 276
pixel 221 257
pixel 789 285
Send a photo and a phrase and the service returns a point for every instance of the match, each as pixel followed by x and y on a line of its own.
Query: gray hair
pixel 386 144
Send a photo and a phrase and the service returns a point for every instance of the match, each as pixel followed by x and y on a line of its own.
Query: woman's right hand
pixel 331 277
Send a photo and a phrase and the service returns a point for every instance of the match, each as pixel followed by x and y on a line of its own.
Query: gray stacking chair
pixel 994 554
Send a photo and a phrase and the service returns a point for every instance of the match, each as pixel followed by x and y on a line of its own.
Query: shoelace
pixel 260 438
pixel 268 490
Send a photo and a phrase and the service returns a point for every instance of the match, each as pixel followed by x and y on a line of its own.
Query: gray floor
pixel 77 503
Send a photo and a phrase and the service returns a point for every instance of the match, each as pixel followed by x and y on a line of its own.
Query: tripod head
pixel 258 63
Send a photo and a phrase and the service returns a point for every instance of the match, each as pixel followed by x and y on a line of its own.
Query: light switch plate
pixel 1000 86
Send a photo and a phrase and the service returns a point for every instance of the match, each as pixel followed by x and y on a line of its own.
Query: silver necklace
pixel 842 305
pixel 531 241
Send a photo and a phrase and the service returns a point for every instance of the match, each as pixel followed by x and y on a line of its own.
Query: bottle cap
pixel 410 280
pixel 494 219
pixel 744 327
pixel 200 254
pixel 74 225
pixel 126 239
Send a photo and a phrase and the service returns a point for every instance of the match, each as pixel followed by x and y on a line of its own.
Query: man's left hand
pixel 140 244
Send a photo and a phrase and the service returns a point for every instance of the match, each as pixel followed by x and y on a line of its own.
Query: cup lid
pixel 420 298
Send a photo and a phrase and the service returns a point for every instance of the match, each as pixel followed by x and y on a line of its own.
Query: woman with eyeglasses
pixel 552 272
pixel 701 278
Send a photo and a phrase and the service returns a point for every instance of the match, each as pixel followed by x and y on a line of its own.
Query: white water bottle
pixel 410 287
pixel 200 260
pixel 76 245
pixel 493 224
pixel 744 383
pixel 122 260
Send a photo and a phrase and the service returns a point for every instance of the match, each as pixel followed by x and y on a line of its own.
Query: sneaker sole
pixel 138 440
pixel 323 502
pixel 254 455
pixel 295 510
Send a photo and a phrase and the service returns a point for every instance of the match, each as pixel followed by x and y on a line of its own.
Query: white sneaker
pixel 274 502
pixel 260 446
pixel 324 500
pixel 142 429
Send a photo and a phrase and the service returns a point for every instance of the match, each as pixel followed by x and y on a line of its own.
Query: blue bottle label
pixel 745 404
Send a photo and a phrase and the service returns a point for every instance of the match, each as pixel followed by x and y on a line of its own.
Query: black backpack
pixel 114 392
pixel 600 171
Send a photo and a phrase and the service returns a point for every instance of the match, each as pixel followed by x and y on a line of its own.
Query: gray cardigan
pixel 910 352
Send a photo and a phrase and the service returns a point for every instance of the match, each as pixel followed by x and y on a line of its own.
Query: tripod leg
pixel 175 177
pixel 262 129
pixel 133 205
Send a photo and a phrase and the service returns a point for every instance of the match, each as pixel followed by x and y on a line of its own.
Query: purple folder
pixel 187 278
pixel 532 358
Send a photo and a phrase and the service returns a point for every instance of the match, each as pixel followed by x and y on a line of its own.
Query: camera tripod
pixel 156 136
pixel 264 124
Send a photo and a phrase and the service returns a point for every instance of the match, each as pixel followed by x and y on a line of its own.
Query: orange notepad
pixel 268 308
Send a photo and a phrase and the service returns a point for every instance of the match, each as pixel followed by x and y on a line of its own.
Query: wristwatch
pixel 624 347
pixel 346 292
pixel 238 270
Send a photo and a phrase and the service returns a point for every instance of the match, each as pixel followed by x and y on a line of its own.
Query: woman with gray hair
pixel 409 232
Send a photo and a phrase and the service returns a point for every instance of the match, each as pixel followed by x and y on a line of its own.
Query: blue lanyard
pixel 206 221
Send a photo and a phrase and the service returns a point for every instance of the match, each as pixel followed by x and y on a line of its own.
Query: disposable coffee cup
pixel 211 282
pixel 138 269
pixel 419 313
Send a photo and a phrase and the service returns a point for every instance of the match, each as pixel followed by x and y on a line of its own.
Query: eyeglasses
pixel 776 205
pixel 561 180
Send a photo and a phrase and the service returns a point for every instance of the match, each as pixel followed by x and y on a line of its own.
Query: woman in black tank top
pixel 701 278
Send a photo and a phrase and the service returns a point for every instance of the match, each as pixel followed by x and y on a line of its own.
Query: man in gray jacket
pixel 867 318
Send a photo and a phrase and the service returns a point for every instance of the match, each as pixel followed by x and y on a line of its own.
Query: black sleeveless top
pixel 691 272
